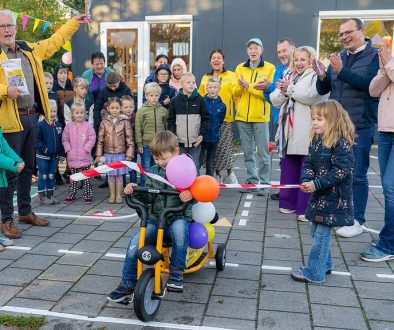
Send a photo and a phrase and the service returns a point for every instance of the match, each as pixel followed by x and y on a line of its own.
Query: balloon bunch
pixel 182 173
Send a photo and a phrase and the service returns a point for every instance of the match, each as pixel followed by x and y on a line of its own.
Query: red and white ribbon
pixel 103 169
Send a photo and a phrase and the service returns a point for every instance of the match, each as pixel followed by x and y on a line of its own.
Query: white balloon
pixel 203 212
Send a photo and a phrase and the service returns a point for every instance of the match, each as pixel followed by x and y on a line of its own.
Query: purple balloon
pixel 181 171
pixel 198 235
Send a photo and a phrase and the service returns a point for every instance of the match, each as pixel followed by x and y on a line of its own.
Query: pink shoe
pixel 69 200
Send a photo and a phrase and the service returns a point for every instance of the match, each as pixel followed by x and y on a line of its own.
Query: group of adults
pixel 260 92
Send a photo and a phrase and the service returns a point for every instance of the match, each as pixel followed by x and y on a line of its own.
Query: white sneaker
pixel 286 211
pixel 233 178
pixel 350 231
pixel 302 218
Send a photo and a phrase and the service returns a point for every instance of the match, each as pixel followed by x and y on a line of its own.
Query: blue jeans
pixel 208 153
pixel 319 260
pixel 386 164
pixel 147 162
pixel 46 174
pixel 177 232
pixel 252 135
pixel 361 150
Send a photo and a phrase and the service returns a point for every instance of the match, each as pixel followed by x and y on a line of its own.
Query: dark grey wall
pixel 226 24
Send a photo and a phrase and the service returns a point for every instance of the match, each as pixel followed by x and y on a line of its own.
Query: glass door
pixel 123 45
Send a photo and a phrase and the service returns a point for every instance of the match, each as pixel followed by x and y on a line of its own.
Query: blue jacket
pixel 331 171
pixel 49 140
pixel 279 71
pixel 217 112
pixel 166 91
pixel 351 86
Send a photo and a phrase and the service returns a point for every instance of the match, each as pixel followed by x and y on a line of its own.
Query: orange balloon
pixel 205 189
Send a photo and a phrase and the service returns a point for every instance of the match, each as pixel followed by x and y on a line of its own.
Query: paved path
pixel 65 271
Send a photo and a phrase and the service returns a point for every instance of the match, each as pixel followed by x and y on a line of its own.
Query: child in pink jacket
pixel 78 140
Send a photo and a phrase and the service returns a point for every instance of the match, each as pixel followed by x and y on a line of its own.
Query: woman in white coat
pixel 295 96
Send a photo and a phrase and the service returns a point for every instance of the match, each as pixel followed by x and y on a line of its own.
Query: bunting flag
pixel 36 22
pixel 44 28
pixel 25 18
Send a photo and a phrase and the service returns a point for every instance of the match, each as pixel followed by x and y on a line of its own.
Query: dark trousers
pixel 208 154
pixel 23 144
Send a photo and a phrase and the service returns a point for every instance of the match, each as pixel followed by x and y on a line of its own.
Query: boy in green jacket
pixel 151 118
pixel 10 161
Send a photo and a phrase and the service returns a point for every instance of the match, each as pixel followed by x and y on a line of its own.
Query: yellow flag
pixel 36 22
pixel 67 46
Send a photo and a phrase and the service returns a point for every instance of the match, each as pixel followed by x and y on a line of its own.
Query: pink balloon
pixel 67 58
pixel 181 171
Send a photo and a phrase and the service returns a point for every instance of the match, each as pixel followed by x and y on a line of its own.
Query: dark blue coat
pixel 49 140
pixel 217 112
pixel 351 86
pixel 331 171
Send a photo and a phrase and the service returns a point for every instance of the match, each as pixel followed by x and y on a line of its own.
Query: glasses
pixel 163 74
pixel 346 33
pixel 7 27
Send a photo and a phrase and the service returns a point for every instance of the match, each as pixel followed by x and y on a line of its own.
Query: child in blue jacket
pixel 48 151
pixel 217 112
pixel 9 161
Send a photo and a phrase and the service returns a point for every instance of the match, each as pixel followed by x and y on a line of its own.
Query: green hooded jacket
pixel 9 160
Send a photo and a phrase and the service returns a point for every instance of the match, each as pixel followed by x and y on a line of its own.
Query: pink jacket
pixel 78 142
pixel 383 85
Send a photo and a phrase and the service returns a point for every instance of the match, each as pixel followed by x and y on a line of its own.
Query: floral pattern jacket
pixel 331 171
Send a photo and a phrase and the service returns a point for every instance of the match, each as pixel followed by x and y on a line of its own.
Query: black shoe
pixel 274 197
pixel 121 294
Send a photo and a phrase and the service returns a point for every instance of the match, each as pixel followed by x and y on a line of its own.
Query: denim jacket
pixel 331 171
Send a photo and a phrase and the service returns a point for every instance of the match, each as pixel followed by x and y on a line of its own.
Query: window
pixel 379 28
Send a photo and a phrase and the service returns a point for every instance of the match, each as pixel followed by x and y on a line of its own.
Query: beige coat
pixel 115 138
pixel 304 94
pixel 383 85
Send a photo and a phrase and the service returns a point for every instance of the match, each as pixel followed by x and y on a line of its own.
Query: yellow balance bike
pixel 149 290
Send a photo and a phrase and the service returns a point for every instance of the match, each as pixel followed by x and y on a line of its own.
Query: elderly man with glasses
pixel 19 110
pixel 347 78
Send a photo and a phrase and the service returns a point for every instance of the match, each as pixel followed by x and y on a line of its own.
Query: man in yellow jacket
pixel 19 111
pixel 253 113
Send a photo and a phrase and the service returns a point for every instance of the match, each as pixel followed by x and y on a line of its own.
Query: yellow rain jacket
pixel 36 53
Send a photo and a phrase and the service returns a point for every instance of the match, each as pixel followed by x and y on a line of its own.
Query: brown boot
pixel 119 195
pixel 112 189
pixel 9 230
pixel 32 219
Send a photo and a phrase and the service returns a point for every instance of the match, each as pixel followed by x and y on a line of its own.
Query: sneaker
pixel 120 294
pixel 274 197
pixel 350 231
pixel 285 211
pixel 298 276
pixel 69 200
pixel 51 201
pixel 232 178
pixel 375 255
pixel 302 218
pixel 374 241
pixel 6 242
pixel 263 192
pixel 88 201
pixel 174 286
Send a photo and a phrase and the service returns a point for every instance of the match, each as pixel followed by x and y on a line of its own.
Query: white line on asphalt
pixel 247 204
pixel 62 215
pixel 104 319
pixel 228 264
pixel 25 248
pixel 374 157
pixel 371 173
pixel 115 255
pixel 69 252
pixel 238 154
pixel 340 273
pixel 242 222
pixel 371 186
pixel 245 213
pixel 249 196
pixel 282 236
pixel 385 275
pixel 275 267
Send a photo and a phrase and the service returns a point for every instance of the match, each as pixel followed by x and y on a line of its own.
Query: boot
pixel 41 196
pixel 112 190
pixel 119 191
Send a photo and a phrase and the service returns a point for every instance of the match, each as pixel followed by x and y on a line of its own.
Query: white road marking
pixel 115 255
pixel 62 215
pixel 275 268
pixel 228 264
pixel 69 252
pixel 281 236
pixel 247 204
pixel 372 186
pixel 104 319
pixel 340 273
pixel 24 248
pixel 242 222
pixel 385 275
pixel 249 196
pixel 245 213
pixel 373 157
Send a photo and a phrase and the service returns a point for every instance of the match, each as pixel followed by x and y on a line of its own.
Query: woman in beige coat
pixel 383 85
pixel 295 96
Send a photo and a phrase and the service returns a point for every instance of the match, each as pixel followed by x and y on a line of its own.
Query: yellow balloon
pixel 211 231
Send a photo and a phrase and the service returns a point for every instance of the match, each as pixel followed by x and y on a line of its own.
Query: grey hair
pixel 6 12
